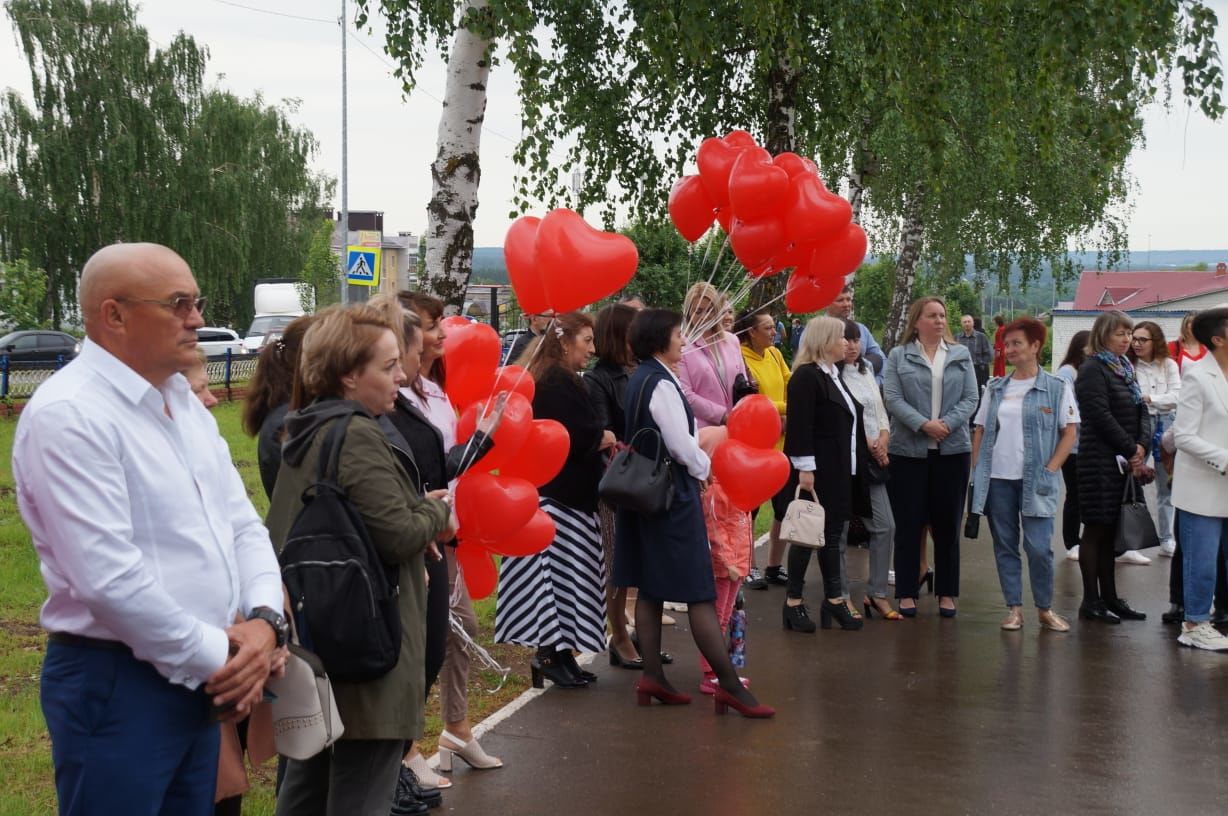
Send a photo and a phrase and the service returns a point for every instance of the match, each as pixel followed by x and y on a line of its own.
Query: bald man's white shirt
pixel 143 528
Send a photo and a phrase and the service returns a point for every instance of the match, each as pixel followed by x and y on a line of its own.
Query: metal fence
pixel 20 380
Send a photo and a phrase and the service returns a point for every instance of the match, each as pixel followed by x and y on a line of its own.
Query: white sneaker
pixel 890 577
pixel 1133 557
pixel 1203 636
pixel 1073 553
pixel 1168 547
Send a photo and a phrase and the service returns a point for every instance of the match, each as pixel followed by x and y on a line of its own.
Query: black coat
pixel 1112 425
pixel 562 397
pixel 819 424
pixel 607 387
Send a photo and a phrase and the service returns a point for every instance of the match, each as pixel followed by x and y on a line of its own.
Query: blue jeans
pixel 123 738
pixel 1203 540
pixel 1002 508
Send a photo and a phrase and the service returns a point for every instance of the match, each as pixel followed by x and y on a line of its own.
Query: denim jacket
pixel 907 385
pixel 1041 433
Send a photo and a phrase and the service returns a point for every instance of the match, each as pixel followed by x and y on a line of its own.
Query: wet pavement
pixel 925 716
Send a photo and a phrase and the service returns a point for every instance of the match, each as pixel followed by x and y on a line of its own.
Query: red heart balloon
pixel 755 421
pixel 766 270
pixel 521 258
pixel 481 575
pixel 581 265
pixel 805 293
pixel 795 255
pixel 814 214
pixel 535 536
pixel 740 138
pixel 513 378
pixel 510 436
pixel 792 164
pixel 841 255
pixel 754 243
pixel 758 189
pixel 691 208
pixel 715 158
pixel 749 476
pixel 724 217
pixel 493 507
pixel 542 455
pixel 472 351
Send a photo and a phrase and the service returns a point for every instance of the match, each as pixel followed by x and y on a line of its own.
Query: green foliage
pixel 322 268
pixel 668 264
pixel 126 143
pixel 22 289
pixel 872 293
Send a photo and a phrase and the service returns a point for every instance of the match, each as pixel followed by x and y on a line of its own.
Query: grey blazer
pixel 907 385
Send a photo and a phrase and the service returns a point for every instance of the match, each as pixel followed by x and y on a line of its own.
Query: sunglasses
pixel 181 306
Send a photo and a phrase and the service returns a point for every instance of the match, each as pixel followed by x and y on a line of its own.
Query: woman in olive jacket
pixel 1115 425
pixel 351 363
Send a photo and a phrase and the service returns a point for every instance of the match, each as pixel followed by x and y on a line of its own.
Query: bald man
pixel 149 548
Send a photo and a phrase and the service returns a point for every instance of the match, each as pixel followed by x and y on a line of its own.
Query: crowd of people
pixel 167 613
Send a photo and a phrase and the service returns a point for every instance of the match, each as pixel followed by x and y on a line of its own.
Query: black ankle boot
pixel 840 612
pixel 797 619
pixel 411 799
pixel 568 659
pixel 546 664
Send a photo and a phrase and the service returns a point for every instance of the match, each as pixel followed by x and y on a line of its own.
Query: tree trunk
pixel 865 166
pixel 456 171
pixel 780 136
pixel 905 277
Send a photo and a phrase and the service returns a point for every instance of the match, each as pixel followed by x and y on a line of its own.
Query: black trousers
pixel 1071 519
pixel 929 491
pixel 828 557
pixel 1097 552
pixel 436 616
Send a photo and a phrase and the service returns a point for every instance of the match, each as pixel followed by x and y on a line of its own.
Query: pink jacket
pixel 707 385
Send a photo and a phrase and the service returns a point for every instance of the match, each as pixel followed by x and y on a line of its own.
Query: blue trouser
pixel 1203 540
pixel 1003 507
pixel 123 738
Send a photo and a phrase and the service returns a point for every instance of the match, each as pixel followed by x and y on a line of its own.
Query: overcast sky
pixel 1181 174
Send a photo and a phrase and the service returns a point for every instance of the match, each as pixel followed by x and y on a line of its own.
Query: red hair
pixel 1032 329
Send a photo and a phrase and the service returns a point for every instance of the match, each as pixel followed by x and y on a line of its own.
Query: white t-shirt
pixel 1008 447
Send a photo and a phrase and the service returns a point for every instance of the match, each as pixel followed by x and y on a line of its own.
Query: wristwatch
pixel 273 618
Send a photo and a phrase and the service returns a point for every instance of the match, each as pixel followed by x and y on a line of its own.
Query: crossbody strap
pixel 329 462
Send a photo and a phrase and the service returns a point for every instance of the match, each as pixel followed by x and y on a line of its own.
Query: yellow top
pixel 769 370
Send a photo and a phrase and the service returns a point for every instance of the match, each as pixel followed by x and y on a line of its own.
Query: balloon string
pixel 468 643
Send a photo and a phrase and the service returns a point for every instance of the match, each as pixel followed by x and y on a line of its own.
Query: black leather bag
pixel 972 524
pixel 637 482
pixel 743 387
pixel 1135 529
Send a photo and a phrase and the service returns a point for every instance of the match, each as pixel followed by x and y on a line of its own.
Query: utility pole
pixel 345 175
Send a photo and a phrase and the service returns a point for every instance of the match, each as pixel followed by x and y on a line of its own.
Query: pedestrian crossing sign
pixel 362 265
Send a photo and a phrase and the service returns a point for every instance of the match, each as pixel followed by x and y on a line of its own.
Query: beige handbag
pixel 305 716
pixel 804 521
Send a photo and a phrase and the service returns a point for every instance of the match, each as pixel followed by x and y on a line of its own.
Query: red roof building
pixel 1129 291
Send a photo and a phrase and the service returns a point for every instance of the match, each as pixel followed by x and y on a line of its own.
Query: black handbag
pixel 972 524
pixel 637 482
pixel 743 387
pixel 1135 529
pixel 876 473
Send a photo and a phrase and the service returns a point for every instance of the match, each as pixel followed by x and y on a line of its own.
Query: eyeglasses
pixel 181 306
pixel 1140 339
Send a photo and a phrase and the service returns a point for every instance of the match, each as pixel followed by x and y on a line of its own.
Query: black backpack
pixel 343 596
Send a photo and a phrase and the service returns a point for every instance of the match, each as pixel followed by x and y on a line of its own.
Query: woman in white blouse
pixel 1160 381
pixel 858 377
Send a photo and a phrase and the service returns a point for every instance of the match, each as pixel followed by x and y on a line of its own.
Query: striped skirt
pixel 556 597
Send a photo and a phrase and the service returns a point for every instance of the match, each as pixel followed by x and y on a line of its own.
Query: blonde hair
pixel 404 322
pixel 820 333
pixel 341 340
pixel 914 316
pixel 696 295
pixel 1102 330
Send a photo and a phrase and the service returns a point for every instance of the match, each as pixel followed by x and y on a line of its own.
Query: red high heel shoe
pixel 723 700
pixel 646 689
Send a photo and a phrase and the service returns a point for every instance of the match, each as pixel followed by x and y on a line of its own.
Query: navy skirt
pixel 666 557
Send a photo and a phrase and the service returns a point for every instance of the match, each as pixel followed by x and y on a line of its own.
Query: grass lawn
pixel 25 751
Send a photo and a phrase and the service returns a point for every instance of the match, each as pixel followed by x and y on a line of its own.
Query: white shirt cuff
pixel 804 463
pixel 213 653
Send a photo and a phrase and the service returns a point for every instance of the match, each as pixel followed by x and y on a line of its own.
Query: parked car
pixel 263 327
pixel 39 346
pixel 510 338
pixel 215 341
